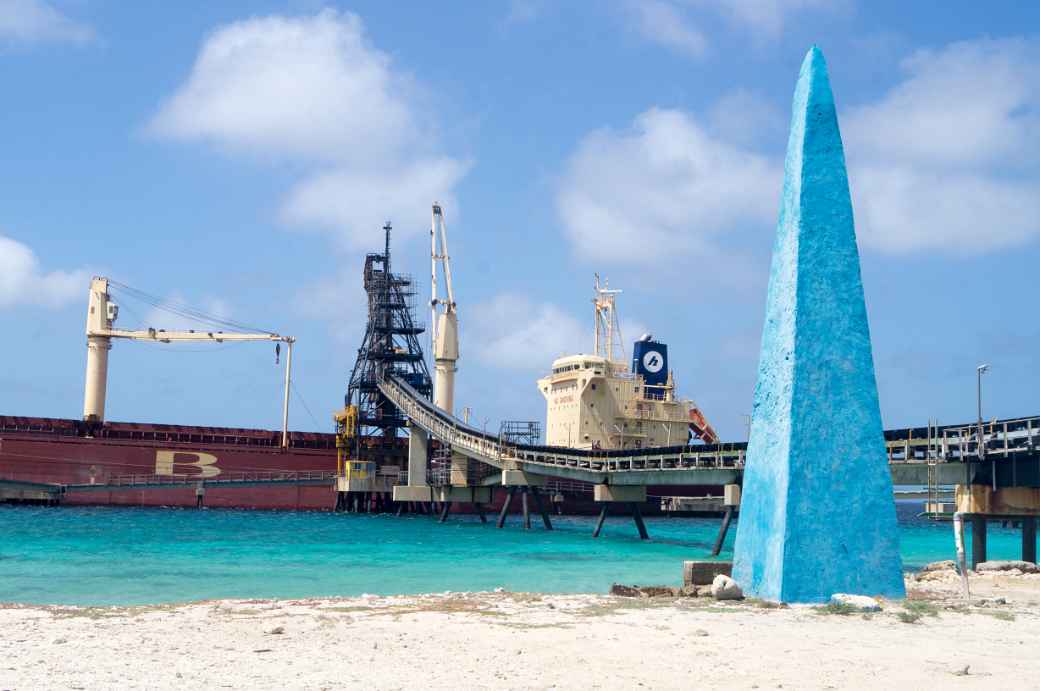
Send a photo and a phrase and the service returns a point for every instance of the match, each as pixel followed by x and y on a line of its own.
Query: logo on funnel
pixel 653 361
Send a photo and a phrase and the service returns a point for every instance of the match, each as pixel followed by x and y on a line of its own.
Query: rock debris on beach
pixel 583 641
pixel 859 603
pixel 725 588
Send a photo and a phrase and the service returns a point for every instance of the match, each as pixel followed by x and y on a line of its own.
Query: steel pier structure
pixel 943 454
pixel 1009 452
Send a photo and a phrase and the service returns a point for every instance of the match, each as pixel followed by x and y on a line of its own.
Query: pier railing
pixel 703 463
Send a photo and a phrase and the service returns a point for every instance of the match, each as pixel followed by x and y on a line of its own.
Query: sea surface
pixel 123 556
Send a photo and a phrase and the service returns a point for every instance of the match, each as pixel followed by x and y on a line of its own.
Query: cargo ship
pixel 161 465
pixel 596 401
pixel 95 461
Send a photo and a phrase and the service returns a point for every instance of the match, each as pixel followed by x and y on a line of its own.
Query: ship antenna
pixel 608 328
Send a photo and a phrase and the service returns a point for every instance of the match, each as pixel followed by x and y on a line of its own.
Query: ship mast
pixel 607 328
pixel 444 325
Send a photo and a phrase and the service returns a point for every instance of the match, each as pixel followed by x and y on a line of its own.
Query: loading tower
pixel 391 346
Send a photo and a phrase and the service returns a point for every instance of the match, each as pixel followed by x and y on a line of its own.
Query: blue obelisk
pixel 817 515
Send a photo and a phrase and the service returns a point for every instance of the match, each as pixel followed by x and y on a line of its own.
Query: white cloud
pixel 947 159
pixel 314 90
pixel 523 11
pixel 23 282
pixel 662 189
pixel 309 87
pixel 661 22
pixel 356 203
pixel 28 21
pixel 765 17
pixel 336 301
pixel 676 24
pixel 744 117
pixel 512 331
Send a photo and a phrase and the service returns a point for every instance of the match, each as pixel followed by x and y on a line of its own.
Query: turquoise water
pixel 110 555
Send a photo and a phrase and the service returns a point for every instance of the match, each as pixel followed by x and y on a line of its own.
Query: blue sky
pixel 242 156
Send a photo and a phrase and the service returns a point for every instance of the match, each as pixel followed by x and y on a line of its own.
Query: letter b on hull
pixel 177 463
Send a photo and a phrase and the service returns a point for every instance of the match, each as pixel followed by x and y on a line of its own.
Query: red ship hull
pixel 56 451
pixel 94 464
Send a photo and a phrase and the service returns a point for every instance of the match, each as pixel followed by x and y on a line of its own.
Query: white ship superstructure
pixel 596 401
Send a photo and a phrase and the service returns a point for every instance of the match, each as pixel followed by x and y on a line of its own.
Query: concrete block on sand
pixel 704 572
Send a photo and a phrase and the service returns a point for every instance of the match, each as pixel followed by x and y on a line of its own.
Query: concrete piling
pixel 1029 539
pixel 978 540
pixel 505 507
pixel 637 516
pixel 599 521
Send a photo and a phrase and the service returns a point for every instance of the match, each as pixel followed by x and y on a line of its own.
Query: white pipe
pixel 958 538
pixel 285 402
pixel 99 319
pixel 444 390
pixel 97 378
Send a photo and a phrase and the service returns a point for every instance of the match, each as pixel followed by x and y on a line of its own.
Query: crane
pixel 102 313
pixel 444 326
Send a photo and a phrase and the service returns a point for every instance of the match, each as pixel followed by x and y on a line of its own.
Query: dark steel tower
pixel 390 346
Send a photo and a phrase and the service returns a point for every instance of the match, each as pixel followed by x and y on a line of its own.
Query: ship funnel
pixel 650 361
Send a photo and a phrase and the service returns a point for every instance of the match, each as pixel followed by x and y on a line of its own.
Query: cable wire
pixel 296 391
pixel 184 310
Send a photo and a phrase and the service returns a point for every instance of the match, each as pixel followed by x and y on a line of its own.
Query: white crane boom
pixel 100 315
pixel 163 336
pixel 445 335
pixel 444 331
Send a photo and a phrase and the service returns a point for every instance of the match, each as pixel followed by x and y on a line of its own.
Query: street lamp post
pixel 981 449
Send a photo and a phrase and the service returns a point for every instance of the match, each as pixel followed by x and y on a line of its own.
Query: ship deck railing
pixel 225 478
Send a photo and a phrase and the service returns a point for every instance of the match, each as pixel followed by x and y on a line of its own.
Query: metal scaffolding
pixel 390 346
pixel 520 432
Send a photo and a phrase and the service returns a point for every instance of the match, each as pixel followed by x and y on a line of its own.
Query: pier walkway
pixel 917 456
pixel 24 492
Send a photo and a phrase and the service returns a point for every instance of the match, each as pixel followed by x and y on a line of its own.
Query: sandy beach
pixel 516 640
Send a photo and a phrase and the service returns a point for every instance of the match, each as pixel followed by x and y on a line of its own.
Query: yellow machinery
pixel 353 474
pixel 346 434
